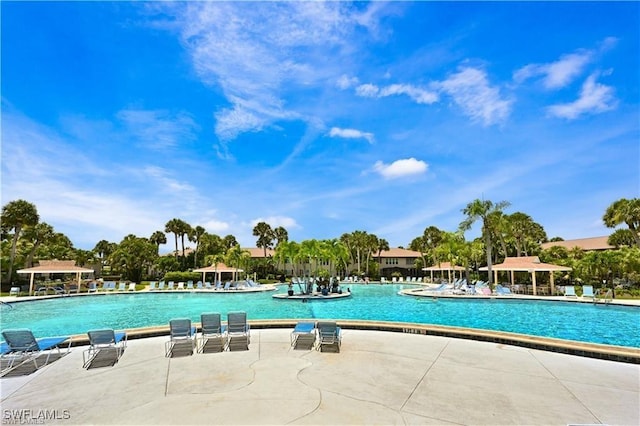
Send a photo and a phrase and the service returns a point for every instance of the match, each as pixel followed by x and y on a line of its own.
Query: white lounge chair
pixel 181 335
pixel 587 291
pixel 104 339
pixel 132 286
pixel 329 335
pixel 21 346
pixel 238 330
pixel 213 332
pixel 570 291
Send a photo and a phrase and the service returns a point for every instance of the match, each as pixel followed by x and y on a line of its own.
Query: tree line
pixel 25 240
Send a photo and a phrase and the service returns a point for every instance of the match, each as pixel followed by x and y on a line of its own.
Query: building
pixel 392 260
pixel 585 244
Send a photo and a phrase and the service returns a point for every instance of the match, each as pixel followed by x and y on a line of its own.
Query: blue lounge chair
pixel 199 285
pixel 170 285
pixel 213 332
pixel 303 335
pixel 21 345
pixel 104 339
pixel 587 291
pixel 570 291
pixel 161 285
pixel 181 334
pixel 208 285
pixel 92 288
pixel 189 285
pixel 227 285
pixel 329 335
pixel 152 286
pixel 122 286
pixel 238 330
pixel 503 291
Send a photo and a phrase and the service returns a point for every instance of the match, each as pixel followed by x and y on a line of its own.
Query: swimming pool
pixel 586 322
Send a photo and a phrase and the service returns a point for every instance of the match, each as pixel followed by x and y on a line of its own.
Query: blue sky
pixel 324 118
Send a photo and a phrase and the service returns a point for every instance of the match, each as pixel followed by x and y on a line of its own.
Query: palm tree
pixel 174 227
pixel 383 245
pixel 196 236
pixel 229 241
pixel 265 235
pixel 158 238
pixel 37 235
pixel 627 212
pixel 15 216
pixel 281 235
pixel 483 209
pixel 184 230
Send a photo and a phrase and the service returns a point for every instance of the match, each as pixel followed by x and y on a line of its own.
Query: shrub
pixel 182 276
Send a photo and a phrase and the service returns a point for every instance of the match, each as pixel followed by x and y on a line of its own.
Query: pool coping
pixel 571 347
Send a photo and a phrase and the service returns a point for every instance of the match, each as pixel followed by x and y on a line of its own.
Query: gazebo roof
pixel 55 267
pixel 220 267
pixel 444 266
pixel 525 263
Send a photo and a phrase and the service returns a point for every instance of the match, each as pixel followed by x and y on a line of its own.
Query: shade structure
pixel 444 266
pixel 531 264
pixel 217 269
pixel 55 267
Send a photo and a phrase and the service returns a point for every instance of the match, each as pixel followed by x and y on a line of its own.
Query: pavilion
pixel 217 269
pixel 55 267
pixel 444 266
pixel 531 264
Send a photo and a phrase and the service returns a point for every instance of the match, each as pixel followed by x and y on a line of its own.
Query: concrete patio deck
pixel 377 378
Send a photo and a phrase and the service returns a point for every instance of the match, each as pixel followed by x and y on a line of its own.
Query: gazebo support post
pixel 533 280
pixel 552 286
pixel 31 284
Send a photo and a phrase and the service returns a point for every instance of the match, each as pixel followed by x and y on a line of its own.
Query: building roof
pixel 586 244
pixel 398 252
pixel 525 263
pixel 259 252
pixel 444 266
pixel 55 266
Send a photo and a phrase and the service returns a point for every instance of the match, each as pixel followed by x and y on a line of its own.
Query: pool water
pixel 587 322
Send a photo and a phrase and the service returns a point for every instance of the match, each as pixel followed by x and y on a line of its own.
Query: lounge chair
pixel 92 288
pixel 15 291
pixel 104 339
pixel 180 285
pixel 213 332
pixel 132 286
pixel 199 285
pixel 587 291
pixel 570 291
pixel 21 345
pixel 170 285
pixel 329 335
pixel 189 285
pixel 161 285
pixel 152 286
pixel 227 285
pixel 122 286
pixel 208 285
pixel 218 285
pixel 303 335
pixel 503 291
pixel 238 330
pixel 181 336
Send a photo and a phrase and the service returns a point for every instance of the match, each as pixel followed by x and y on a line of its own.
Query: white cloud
pixel 276 221
pixel 216 227
pixel 351 134
pixel 346 82
pixel 471 91
pixel 257 52
pixel 417 94
pixel 401 168
pixel 158 128
pixel 166 182
pixel 558 74
pixel 594 98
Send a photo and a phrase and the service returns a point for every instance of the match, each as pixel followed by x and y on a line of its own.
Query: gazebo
pixel 55 267
pixel 217 269
pixel 444 266
pixel 529 264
